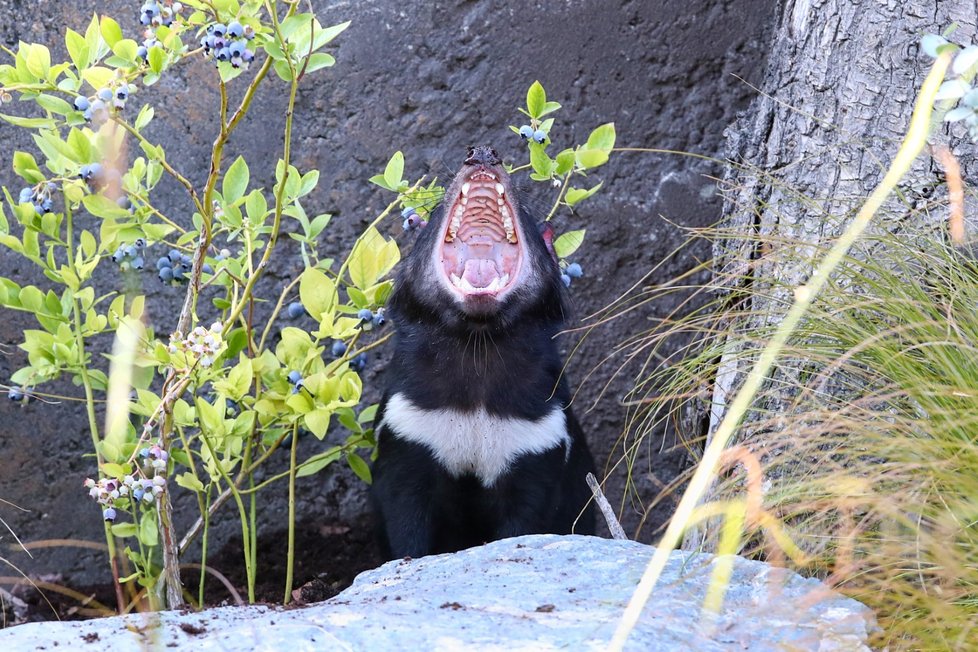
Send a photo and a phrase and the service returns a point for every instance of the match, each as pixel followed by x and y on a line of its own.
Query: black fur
pixel 504 360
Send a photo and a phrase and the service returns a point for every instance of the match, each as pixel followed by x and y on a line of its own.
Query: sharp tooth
pixel 500 189
pixel 456 281
pixel 508 225
pixel 500 201
pixel 464 201
pixel 504 280
pixel 465 188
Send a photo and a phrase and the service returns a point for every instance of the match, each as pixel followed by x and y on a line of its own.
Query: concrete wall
pixel 428 78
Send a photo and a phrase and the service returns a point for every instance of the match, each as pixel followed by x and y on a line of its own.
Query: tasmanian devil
pixel 475 438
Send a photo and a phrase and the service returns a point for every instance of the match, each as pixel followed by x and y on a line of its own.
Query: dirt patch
pixel 328 557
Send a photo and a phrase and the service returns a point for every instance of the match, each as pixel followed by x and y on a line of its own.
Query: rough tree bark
pixel 838 92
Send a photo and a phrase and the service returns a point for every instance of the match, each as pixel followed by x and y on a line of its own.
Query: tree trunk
pixel 838 93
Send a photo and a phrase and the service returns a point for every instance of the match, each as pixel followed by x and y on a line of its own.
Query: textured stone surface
pixel 429 79
pixel 527 593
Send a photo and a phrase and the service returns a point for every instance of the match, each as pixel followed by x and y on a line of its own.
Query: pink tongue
pixel 480 273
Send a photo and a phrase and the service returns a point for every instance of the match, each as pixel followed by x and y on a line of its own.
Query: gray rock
pixel 529 593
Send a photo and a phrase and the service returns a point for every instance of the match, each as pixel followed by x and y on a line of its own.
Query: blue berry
pixel 339 348
pixel 138 263
pixel 175 255
pixel 378 319
pixel 235 29
pixel 177 274
pixel 105 94
pixel 81 103
pixel 137 493
pixel 565 279
pixel 359 363
pixel 218 29
pixel 223 54
pixel 122 93
pixel 539 136
pixel 166 274
pixel 130 251
pixel 408 212
pixel 26 195
pixel 574 270
pixel 46 205
pixel 15 394
pixel 163 262
pixel 526 132
pixel 108 514
pixel 295 310
pixel 295 377
pixel 124 202
pixel 119 255
pixel 142 52
pixel 236 49
pixel 139 244
pixel 207 269
pixel 366 314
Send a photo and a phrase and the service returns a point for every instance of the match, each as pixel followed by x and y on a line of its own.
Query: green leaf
pixel 591 158
pixel 115 470
pixel 568 243
pixel 98 76
pixel 156 58
pixel 372 257
pixel 235 180
pixel 123 530
pixel 54 104
pixel 77 48
pixel 318 421
pixel 110 30
pixel 394 171
pixel 536 99
pixel 148 534
pixel 359 466
pixel 317 292
pixel 318 61
pixel 602 137
pixel 325 35
pixel 102 206
pixel 26 168
pixel 38 60
pixel 189 481
pixel 316 463
pixel 577 195
pixel 541 163
pixel 29 123
pixel 144 117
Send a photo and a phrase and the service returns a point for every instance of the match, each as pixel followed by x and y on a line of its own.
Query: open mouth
pixel 481 252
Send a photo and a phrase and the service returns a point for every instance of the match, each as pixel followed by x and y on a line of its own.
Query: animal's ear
pixel 547 231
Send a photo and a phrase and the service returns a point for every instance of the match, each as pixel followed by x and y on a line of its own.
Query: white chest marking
pixel 475 442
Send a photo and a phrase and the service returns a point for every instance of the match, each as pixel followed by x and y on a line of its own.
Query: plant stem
pixel 86 380
pixel 290 558
pixel 913 144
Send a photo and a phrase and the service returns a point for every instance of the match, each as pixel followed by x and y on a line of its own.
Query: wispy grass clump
pixel 865 434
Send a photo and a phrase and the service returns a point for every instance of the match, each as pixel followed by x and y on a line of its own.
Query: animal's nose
pixel 482 155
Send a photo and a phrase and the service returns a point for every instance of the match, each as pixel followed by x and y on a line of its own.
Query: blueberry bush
pixel 203 407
